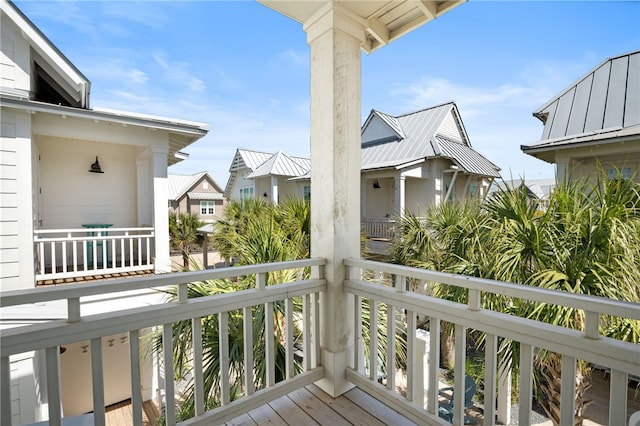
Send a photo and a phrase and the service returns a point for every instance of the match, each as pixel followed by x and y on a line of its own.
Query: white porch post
pixel 274 189
pixel 335 40
pixel 162 261
pixel 399 188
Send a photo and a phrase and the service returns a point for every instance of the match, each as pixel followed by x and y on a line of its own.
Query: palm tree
pixel 183 234
pixel 253 232
pixel 586 242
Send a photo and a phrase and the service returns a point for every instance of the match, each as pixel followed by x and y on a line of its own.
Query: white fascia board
pixel 153 122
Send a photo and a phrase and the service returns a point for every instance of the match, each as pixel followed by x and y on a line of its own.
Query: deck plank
pixel 316 409
pixel 266 415
pixel 243 420
pixel 376 408
pixel 290 412
pixel 346 408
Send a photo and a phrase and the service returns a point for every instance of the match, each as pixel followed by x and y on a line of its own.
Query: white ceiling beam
pixel 378 30
pixel 429 8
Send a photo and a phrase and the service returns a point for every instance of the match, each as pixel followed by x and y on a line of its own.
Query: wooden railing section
pixel 69 253
pixel 379 227
pixel 622 358
pixel 49 336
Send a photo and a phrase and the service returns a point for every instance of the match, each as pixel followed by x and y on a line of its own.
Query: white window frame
pixel 246 193
pixel 207 208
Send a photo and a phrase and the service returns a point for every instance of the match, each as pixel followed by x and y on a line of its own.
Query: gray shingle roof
pixel 604 101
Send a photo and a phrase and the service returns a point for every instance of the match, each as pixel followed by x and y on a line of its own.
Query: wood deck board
pixel 376 408
pixel 343 406
pixel 266 415
pixel 290 412
pixel 316 409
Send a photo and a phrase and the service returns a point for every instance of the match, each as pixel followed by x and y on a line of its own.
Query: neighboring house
pixel 594 125
pixel 538 190
pixel 273 177
pixel 417 160
pixel 83 193
pixel 197 193
pixel 409 163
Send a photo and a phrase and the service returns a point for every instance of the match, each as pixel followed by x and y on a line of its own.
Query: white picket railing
pixel 69 253
pixel 379 227
pixel 51 335
pixel 622 358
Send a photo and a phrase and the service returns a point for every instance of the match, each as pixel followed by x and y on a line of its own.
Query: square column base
pixel 335 365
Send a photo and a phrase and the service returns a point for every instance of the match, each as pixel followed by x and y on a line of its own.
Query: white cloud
pixel 178 72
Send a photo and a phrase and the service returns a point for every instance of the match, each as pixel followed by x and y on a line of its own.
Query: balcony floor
pixel 312 406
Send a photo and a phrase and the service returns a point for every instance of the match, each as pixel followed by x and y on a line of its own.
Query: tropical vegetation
pixel 586 242
pixel 184 235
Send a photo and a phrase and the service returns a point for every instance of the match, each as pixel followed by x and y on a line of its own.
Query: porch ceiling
pixel 384 20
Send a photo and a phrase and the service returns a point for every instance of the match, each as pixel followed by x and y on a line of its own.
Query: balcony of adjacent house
pixel 92 252
pixel 249 345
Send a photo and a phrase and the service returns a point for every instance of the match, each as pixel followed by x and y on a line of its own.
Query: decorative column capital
pixel 334 17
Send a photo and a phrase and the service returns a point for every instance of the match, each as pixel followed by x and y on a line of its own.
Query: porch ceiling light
pixel 95 167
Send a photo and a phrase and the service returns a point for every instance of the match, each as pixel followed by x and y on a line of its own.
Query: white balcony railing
pixel 51 335
pixel 69 253
pixel 391 292
pixel 379 227
pixel 368 298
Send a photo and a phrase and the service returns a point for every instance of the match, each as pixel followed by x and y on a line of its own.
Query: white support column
pixel 162 261
pixel 399 187
pixel 335 40
pixel 145 190
pixel 274 189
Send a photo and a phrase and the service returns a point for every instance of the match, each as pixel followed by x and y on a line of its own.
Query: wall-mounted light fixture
pixel 376 184
pixel 265 194
pixel 95 167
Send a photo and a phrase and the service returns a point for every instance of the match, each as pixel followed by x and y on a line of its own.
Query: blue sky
pixel 244 69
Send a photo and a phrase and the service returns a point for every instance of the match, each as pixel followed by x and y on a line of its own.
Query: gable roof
pixel 246 158
pixel 50 62
pixel 436 132
pixel 281 164
pixel 179 185
pixel 603 105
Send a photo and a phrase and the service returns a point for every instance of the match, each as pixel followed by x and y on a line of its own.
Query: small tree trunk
pixel 447 348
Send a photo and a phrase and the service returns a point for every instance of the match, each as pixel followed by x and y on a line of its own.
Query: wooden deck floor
pixel 120 414
pixel 312 406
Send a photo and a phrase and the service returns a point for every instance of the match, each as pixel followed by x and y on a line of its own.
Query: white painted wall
pixel 15 58
pixel 72 196
pixel 240 182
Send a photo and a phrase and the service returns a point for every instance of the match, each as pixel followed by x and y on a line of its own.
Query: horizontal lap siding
pixel 9 260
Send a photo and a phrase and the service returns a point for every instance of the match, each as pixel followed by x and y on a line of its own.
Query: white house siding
pixel 14 59
pixel 71 196
pixel 16 223
pixel 380 202
pixel 239 183
pixel 449 128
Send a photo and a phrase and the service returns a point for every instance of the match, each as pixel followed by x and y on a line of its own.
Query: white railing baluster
pixel 592 325
pixel 54 266
pixel 123 257
pixel 147 256
pixel 358 349
pixel 198 376
pixel 139 251
pixel 5 391
pixel 223 354
pixel 64 256
pixel 410 332
pixel 306 332
pixel 94 254
pixel 85 262
pixel 169 387
pixel 288 313
pixel 97 381
pixel 247 326
pixel 434 365
pixel 315 307
pixel 52 355
pixel 391 347
pixel 526 384
pixel 373 339
pixel 269 344
pixel 114 254
pixel 618 388
pixel 131 252
pixel 459 374
pixel 567 390
pixel 75 255
pixel 136 383
pixel 490 369
pixel 105 250
pixel 41 254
